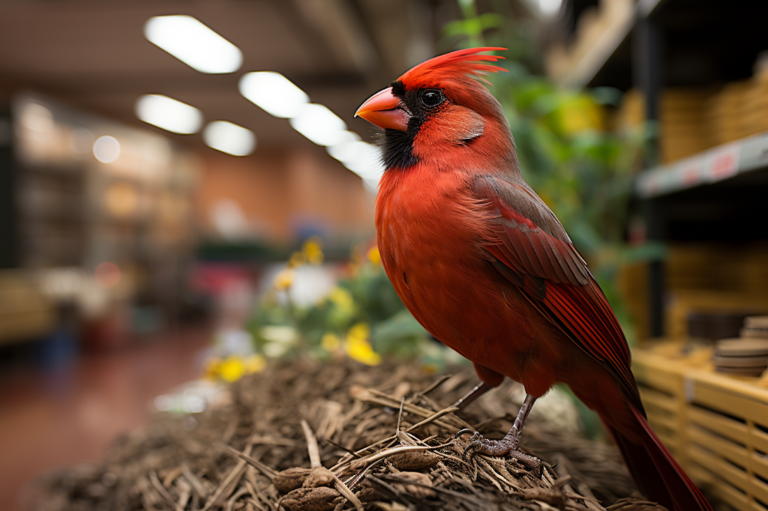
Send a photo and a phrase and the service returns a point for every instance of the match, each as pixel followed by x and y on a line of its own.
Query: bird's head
pixel 439 109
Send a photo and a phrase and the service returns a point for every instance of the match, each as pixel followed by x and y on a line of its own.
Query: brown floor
pixel 56 418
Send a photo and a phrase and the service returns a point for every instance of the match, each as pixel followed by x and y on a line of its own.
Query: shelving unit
pixel 717 195
pixel 714 424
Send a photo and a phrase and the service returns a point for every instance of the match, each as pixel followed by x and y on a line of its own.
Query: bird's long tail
pixel 656 472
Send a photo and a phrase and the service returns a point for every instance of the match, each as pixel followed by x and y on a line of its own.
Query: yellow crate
pixel 715 425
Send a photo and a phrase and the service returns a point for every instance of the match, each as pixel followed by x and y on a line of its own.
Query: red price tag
pixel 725 164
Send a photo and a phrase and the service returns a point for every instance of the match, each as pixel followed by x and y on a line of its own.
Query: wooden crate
pixel 660 381
pixel 726 437
pixel 715 425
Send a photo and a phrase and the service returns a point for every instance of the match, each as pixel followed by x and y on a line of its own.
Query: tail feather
pixel 656 472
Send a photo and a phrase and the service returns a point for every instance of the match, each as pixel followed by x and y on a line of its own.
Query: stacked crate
pixel 716 426
pixel 694 120
pixel 700 278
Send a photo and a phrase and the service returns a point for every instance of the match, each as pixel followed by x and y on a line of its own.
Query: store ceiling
pixel 93 54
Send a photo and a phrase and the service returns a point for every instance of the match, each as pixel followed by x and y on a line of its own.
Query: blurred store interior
pixel 124 246
pixel 161 160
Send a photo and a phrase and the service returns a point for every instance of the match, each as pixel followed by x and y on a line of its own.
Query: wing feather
pixel 536 252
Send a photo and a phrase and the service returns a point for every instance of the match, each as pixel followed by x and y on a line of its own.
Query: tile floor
pixel 50 419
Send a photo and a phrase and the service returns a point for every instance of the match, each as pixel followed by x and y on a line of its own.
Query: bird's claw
pixel 464 431
pixel 507 446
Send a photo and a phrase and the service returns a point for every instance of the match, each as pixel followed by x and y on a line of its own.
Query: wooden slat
pixel 728 450
pixel 723 490
pixel 759 490
pixel 652 397
pixel 759 440
pixel 730 402
pixel 733 386
pixel 720 424
pixel 657 371
pixel 660 422
pixel 736 477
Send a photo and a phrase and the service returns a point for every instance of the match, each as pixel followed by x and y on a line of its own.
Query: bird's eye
pixel 432 97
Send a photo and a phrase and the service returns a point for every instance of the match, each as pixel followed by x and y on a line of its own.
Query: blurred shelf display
pixel 714 424
pixel 102 207
pixel 694 73
pixel 702 101
pixel 709 289
pixel 91 190
pixel 721 132
pixel 24 311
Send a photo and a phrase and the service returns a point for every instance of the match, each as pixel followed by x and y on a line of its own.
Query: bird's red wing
pixel 544 264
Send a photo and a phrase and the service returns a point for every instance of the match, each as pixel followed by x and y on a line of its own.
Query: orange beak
pixel 385 111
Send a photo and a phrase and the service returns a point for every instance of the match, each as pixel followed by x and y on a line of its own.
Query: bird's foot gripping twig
pixel 507 446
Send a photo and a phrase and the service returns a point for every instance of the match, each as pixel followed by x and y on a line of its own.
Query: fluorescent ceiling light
pixel 169 114
pixel 320 125
pixel 193 43
pixel 229 138
pixel 274 93
pixel 342 151
pixel 364 159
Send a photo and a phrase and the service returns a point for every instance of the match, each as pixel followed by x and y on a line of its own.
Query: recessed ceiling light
pixel 169 114
pixel 229 138
pixel 549 7
pixel 193 43
pixel 320 125
pixel 274 93
pixel 106 149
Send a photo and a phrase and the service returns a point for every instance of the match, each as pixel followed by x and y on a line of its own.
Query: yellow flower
pixel 296 260
pixel 313 250
pixel 358 347
pixel 362 351
pixel 255 363
pixel 341 297
pixel 211 369
pixel 284 279
pixel 360 331
pixel 330 342
pixel 232 369
pixel 374 256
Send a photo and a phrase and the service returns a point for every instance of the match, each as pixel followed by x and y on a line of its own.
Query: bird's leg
pixel 507 445
pixel 479 389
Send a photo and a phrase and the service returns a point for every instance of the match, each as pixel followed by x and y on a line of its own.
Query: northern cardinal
pixel 486 267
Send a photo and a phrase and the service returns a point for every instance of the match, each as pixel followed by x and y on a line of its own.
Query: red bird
pixel 486 267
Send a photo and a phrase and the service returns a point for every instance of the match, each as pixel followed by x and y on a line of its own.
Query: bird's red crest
pixel 451 65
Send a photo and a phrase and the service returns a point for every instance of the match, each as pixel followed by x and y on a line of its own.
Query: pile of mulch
pixel 344 436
